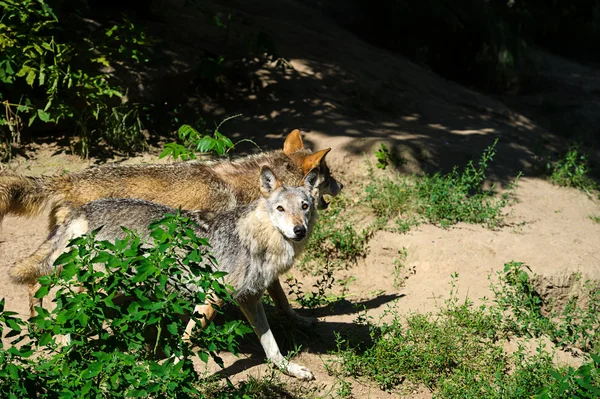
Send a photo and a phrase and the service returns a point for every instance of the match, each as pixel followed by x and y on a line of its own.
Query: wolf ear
pixel 293 142
pixel 314 160
pixel 311 179
pixel 268 181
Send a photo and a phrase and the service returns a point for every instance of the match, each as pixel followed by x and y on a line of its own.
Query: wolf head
pixel 326 183
pixel 289 208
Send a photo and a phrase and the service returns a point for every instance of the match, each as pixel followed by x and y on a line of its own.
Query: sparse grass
pixel 335 241
pixel 266 387
pixel 386 157
pixel 572 171
pixel 312 299
pixel 458 352
pixel 571 324
pixel 444 200
pixel 440 199
pixel 399 273
pixel 595 218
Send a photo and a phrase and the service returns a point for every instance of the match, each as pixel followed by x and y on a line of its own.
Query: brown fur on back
pixel 191 185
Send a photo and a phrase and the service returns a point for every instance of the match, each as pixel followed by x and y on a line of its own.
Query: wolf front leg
pixel 254 312
pixel 207 311
pixel 282 303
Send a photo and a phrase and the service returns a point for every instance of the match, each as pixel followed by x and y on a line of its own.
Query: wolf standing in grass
pixel 253 243
pixel 195 185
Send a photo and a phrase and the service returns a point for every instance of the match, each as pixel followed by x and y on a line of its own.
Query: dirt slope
pixel 350 96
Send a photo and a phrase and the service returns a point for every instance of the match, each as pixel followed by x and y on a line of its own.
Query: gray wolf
pixel 253 243
pixel 211 186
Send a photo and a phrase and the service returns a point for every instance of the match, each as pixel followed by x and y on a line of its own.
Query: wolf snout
pixel 300 231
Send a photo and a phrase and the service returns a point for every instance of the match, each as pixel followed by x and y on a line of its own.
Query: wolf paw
pixel 300 372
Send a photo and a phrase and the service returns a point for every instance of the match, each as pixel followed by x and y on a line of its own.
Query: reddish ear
pixel 293 142
pixel 314 160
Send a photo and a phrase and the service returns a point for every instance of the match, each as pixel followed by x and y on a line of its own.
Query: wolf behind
pixel 195 185
pixel 253 243
pixel 212 186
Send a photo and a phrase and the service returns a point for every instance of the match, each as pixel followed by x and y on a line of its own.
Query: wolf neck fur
pixel 268 248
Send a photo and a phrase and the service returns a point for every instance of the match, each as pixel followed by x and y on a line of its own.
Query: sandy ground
pixel 352 97
pixel 548 229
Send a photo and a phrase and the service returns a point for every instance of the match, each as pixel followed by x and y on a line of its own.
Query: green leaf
pixel 30 77
pixel 86 388
pixel 45 339
pixel 205 144
pixel 42 291
pixel 13 371
pixel 8 68
pixel 44 116
pixel 203 356
pixel 92 371
pixel 186 131
pixel 172 328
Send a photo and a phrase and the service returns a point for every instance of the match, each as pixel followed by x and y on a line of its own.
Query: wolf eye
pixel 305 206
pixel 280 208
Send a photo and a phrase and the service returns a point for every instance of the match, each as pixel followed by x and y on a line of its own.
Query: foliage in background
pixel 572 171
pixel 129 315
pixel 194 143
pixel 62 72
pixel 483 43
pixel 443 199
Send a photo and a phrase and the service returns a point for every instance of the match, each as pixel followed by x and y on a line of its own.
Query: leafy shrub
pixel 454 353
pixel 194 142
pixel 458 352
pixel 335 241
pixel 582 383
pixel 572 171
pixel 56 71
pixel 128 315
pixel 447 199
pixel 530 315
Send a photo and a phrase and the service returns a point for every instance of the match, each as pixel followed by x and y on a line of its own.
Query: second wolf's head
pixel 326 184
pixel 289 208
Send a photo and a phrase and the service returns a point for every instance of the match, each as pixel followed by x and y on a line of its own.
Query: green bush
pixel 458 352
pixel 61 72
pixel 128 316
pixel 192 142
pixel 572 171
pixel 443 199
pixel 571 324
pixel 580 383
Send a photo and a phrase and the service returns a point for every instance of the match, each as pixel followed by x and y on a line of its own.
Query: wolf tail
pixel 22 195
pixel 28 270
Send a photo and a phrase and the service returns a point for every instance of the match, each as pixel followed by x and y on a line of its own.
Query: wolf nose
pixel 300 231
